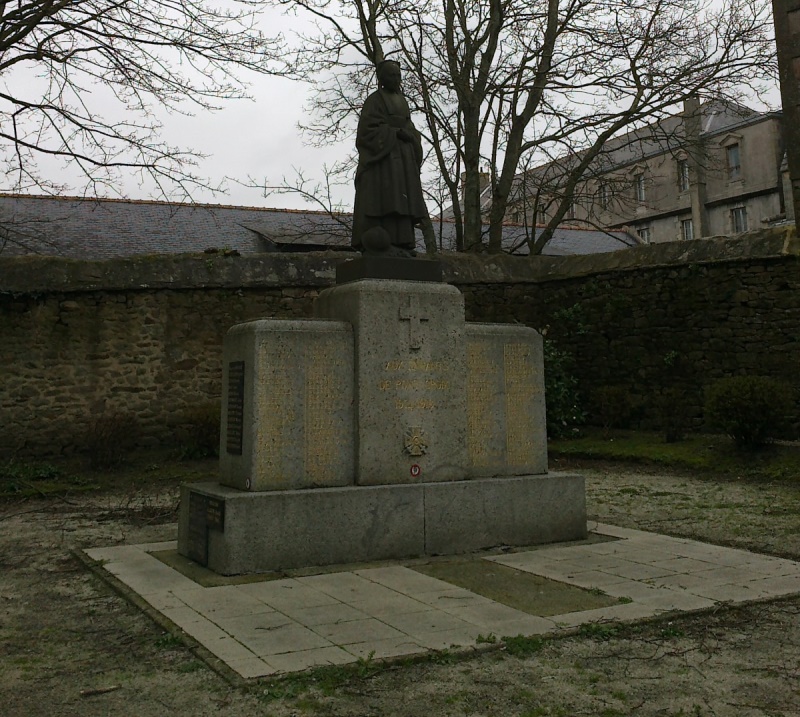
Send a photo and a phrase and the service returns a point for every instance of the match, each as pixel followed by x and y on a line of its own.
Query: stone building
pixel 715 169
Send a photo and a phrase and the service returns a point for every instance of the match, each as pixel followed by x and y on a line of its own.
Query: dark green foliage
pixel 613 406
pixel 111 436
pixel 672 414
pixel 197 432
pixel 564 407
pixel 752 410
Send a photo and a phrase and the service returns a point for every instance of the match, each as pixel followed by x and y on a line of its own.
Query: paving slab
pixel 273 626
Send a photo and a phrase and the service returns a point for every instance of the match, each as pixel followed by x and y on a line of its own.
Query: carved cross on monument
pixel 413 315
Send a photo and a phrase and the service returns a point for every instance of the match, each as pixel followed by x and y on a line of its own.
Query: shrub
pixel 110 437
pixel 613 406
pixel 672 414
pixel 198 431
pixel 564 408
pixel 752 410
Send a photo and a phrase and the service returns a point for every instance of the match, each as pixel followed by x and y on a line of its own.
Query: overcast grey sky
pixel 256 138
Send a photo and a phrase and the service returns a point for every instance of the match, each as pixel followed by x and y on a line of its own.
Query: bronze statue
pixel 389 201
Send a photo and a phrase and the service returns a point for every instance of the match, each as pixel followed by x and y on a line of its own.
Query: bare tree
pixel 501 81
pixel 62 59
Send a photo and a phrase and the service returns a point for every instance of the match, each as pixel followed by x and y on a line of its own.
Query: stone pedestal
pixel 386 427
pixel 287 397
pixel 410 363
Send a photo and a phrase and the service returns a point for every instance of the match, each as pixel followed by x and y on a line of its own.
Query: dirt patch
pixel 62 631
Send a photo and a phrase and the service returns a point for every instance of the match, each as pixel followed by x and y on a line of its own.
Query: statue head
pixel 389 75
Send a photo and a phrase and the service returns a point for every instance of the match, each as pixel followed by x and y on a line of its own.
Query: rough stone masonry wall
pixel 665 321
pixel 80 341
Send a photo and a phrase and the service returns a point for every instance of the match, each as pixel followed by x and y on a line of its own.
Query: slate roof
pixel 96 229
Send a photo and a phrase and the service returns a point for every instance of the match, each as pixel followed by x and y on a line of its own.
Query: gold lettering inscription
pixel 416 404
pixel 321 435
pixel 276 410
pixel 480 370
pixel 418 365
pixel 520 386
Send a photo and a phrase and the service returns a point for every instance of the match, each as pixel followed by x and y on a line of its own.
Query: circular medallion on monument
pixel 415 442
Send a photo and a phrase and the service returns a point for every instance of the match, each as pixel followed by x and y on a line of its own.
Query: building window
pixel 687 229
pixel 683 175
pixel 644 233
pixel 605 195
pixel 638 188
pixel 739 220
pixel 734 162
pixel 541 216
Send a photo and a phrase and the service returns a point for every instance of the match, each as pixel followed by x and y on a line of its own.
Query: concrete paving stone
pixel 396 604
pixel 735 575
pixel 576 552
pixel 488 614
pixel 633 589
pixel 402 579
pixel 556 570
pixel 598 562
pixel 287 593
pixel 555 555
pixel 325 614
pixel 775 568
pixel 205 632
pixel 150 577
pixel 682 582
pixel 616 531
pixel 595 579
pixel 418 624
pixel 182 616
pixel 522 561
pixel 527 626
pixel 683 565
pixel 251 668
pixel 775 586
pixel 344 633
pixel 710 553
pixel 225 647
pixel 284 638
pixel 305 659
pixel 606 548
pixel 728 593
pixel 450 639
pixel 637 571
pixel 349 587
pixel 453 599
pixel 163 600
pixel 222 601
pixel 381 649
pixel 675 600
pixel 116 553
pixel 631 611
pixel 257 623
pixel 157 547
pixel 650 558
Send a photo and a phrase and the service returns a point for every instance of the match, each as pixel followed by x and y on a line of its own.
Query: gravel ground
pixel 70 646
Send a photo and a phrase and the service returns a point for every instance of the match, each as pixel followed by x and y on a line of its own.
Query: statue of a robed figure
pixel 389 201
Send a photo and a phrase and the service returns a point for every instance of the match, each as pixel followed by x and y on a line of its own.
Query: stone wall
pixel 81 341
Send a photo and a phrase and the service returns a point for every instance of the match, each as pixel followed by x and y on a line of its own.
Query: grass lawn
pixel 702 453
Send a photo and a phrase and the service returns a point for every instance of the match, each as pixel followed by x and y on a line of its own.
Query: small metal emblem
pixel 415 442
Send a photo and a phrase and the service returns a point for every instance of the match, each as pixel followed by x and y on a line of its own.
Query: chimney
pixel 695 149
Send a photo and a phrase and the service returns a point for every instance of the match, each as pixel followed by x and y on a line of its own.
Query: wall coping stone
pixel 39 275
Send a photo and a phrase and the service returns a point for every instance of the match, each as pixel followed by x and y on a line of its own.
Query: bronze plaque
pixel 204 512
pixel 233 439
